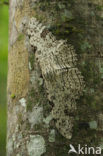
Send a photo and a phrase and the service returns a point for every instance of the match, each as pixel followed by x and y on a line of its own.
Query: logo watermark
pixel 85 150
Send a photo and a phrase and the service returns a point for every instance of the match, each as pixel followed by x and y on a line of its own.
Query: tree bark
pixel 31 129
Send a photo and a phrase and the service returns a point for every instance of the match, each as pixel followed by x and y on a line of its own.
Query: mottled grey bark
pixel 31 128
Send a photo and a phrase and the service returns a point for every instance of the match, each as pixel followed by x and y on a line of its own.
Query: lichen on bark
pixel 63 80
pixel 80 23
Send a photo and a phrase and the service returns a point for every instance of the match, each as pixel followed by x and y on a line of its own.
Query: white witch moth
pixel 63 80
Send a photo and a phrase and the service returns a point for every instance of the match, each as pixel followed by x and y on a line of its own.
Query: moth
pixel 63 80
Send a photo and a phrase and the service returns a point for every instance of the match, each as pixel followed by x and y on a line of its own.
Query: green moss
pixel 99 7
pixel 13 96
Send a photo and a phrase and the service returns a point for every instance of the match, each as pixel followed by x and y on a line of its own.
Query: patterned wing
pixel 64 82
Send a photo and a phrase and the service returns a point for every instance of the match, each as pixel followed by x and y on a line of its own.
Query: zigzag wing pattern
pixel 63 80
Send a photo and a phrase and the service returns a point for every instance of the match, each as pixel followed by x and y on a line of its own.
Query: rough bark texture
pixel 31 129
pixel 63 80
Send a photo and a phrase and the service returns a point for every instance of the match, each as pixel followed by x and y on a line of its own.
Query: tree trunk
pixel 32 130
